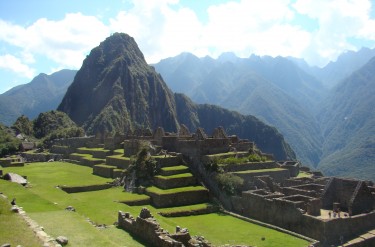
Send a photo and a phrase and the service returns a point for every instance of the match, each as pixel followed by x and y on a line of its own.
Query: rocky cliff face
pixel 115 90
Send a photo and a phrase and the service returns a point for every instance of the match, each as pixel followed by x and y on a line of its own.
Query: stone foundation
pixel 148 229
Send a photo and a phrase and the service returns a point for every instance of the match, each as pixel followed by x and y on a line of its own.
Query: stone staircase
pixel 175 186
pixel 101 160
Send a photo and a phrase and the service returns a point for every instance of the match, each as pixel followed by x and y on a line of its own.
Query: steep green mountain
pixel 115 90
pixel 42 94
pixel 348 123
pixel 272 89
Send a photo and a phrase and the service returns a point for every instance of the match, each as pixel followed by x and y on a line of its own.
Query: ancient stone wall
pixel 352 196
pixel 287 215
pixel 64 150
pixel 41 157
pixel 296 191
pixel 170 143
pixel 174 182
pixel 118 162
pixel 250 166
pixel 362 199
pixel 148 229
pixel 178 198
pixel 85 188
pixel 278 176
pixel 100 154
pixel 103 170
pixel 77 142
pixel 169 160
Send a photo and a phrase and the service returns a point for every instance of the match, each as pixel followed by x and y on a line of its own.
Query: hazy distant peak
pixel 227 57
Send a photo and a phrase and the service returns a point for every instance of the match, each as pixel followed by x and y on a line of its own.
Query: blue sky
pixel 43 36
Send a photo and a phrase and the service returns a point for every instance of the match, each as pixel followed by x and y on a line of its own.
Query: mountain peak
pixel 116 90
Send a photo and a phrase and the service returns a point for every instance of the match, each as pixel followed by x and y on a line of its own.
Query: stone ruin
pixel 297 204
pixel 148 229
pixel 330 210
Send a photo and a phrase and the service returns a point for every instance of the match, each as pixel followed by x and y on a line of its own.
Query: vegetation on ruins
pixel 229 183
pixel 144 167
pixel 238 160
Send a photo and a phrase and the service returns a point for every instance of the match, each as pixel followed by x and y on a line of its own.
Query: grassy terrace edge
pixel 183 175
pixel 260 171
pixel 158 191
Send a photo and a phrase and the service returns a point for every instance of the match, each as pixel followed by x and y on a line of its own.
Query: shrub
pixel 229 183
pixel 144 166
pixel 233 160
pixel 23 125
pixel 255 158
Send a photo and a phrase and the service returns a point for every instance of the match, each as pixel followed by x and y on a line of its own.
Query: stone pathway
pixel 47 240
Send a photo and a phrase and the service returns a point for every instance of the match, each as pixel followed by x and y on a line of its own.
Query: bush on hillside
pixel 229 183
pixel 8 142
pixel 23 125
pixel 63 133
pixel 48 122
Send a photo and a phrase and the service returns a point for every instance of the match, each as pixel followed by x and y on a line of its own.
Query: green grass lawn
pixel 260 170
pixel 13 229
pixel 93 149
pixel 46 204
pixel 175 190
pixel 185 208
pixel 182 175
pixel 119 156
pixel 304 175
pixel 222 229
pixel 174 168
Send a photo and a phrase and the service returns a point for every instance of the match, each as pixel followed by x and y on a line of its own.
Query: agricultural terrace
pixel 45 202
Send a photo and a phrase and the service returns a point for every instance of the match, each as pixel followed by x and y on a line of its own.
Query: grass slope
pixel 13 229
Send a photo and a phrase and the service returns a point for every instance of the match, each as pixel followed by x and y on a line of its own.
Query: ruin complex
pixel 330 210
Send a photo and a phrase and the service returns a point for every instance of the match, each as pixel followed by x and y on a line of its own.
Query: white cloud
pixel 14 64
pixel 339 20
pixel 254 27
pixel 163 28
pixel 64 42
pixel 245 27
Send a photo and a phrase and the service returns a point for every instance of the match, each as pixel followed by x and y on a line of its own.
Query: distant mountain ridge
pixel 336 71
pixel 43 93
pixel 116 91
pixel 348 123
pixel 272 89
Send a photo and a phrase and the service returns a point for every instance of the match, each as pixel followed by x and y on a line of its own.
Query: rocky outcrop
pixel 14 177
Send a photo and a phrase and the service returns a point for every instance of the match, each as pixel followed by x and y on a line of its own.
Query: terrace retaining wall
pixel 178 198
pixel 85 188
pixel 168 183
